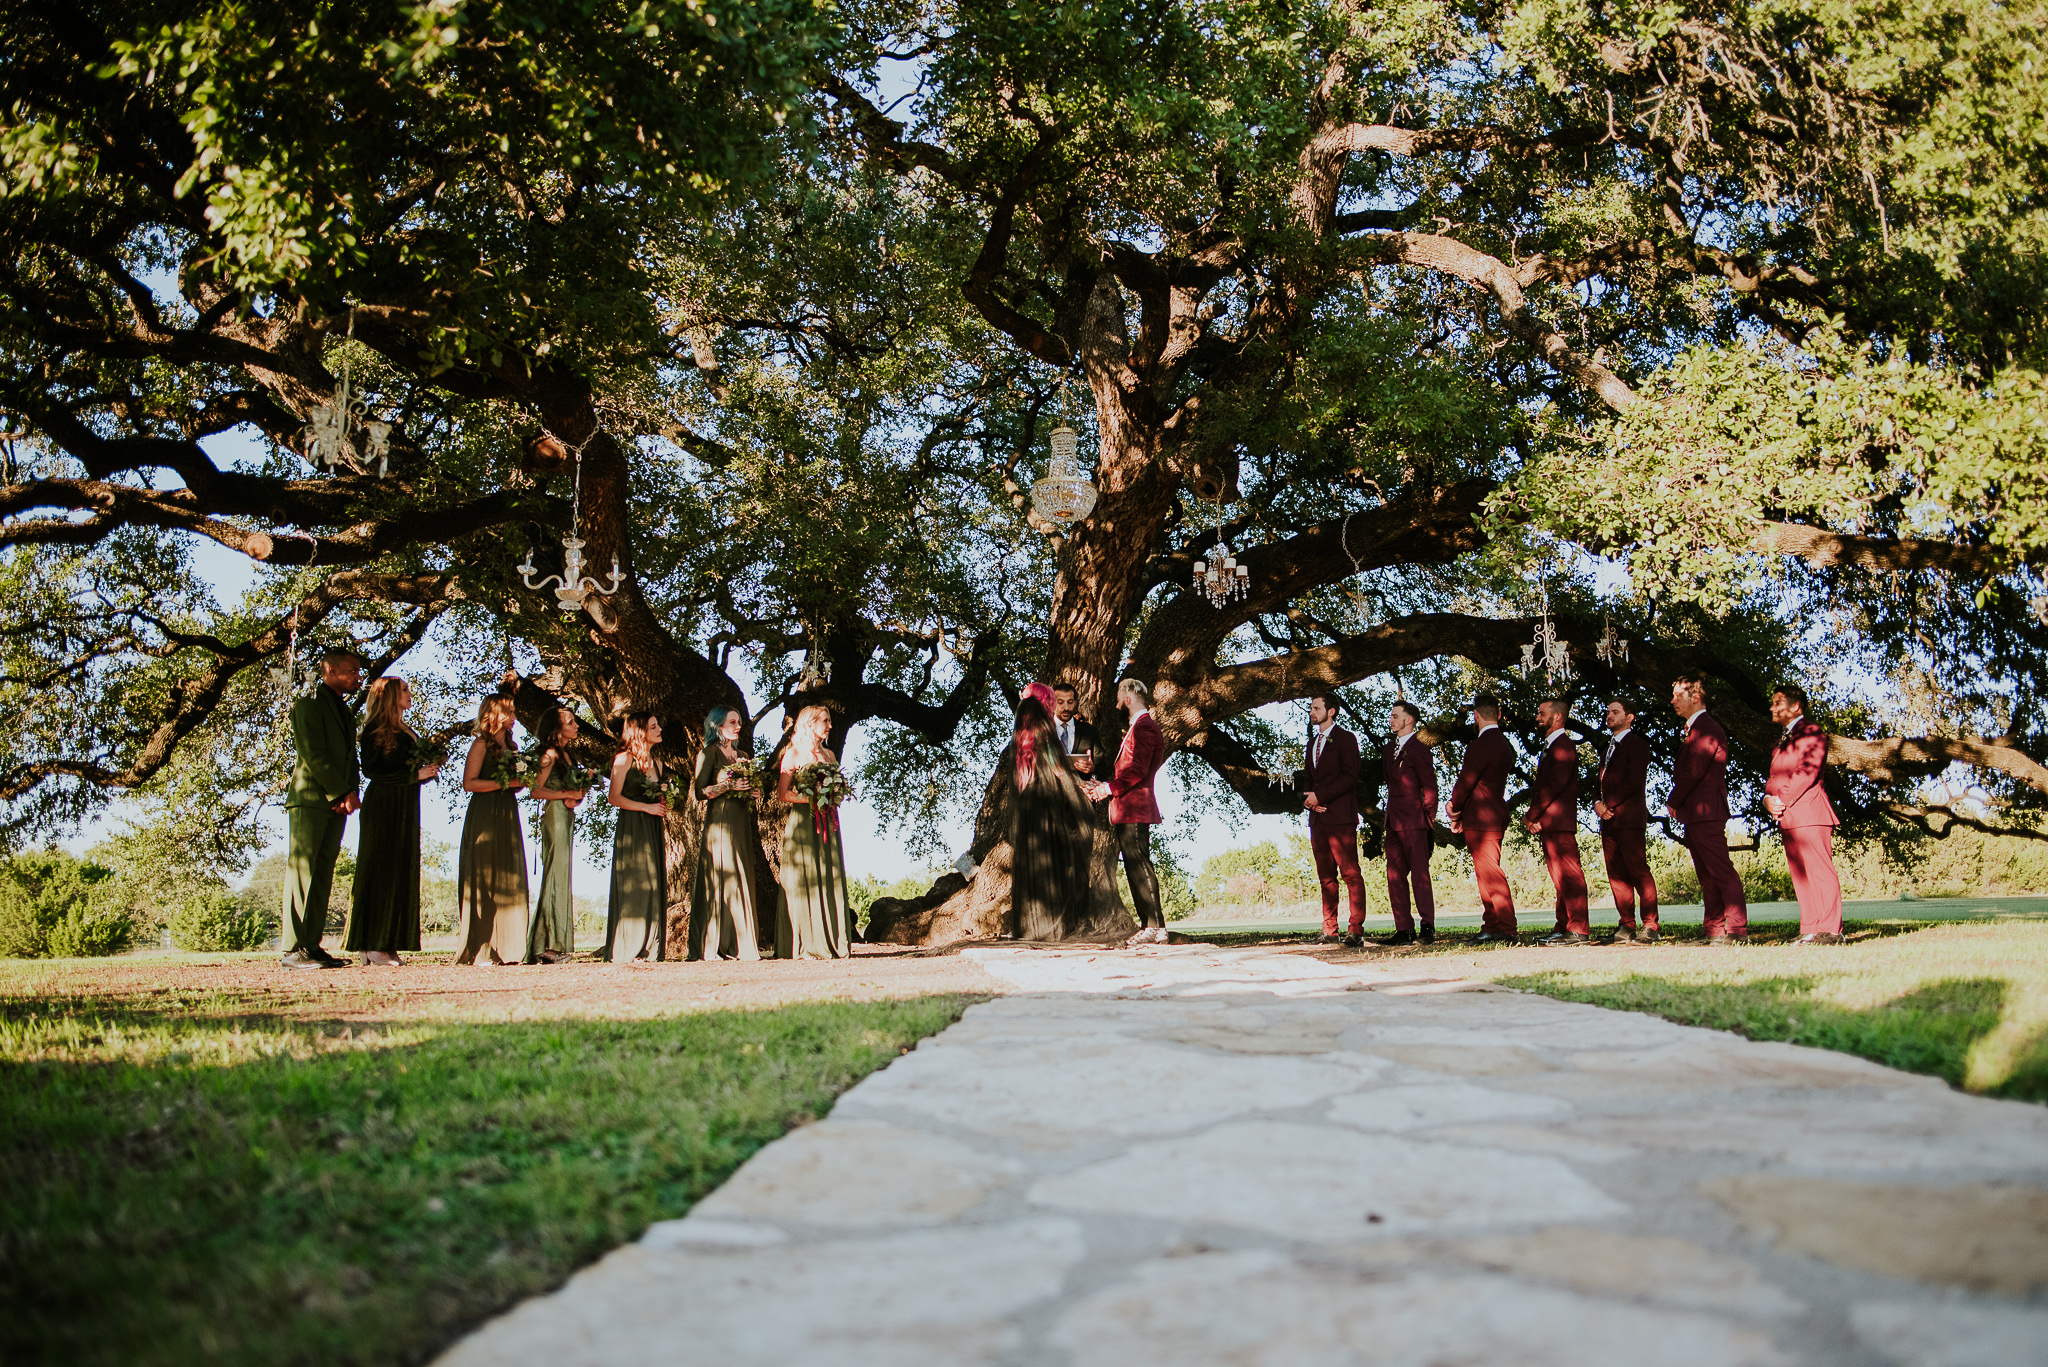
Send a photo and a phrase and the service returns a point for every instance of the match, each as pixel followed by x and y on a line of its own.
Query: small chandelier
pixel 1612 648
pixel 1218 576
pixel 572 588
pixel 1064 496
pixel 1547 652
pixel 331 427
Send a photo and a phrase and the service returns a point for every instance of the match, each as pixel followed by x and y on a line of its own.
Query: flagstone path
pixel 1186 1155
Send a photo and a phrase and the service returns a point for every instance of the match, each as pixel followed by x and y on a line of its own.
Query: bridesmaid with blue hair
pixel 722 904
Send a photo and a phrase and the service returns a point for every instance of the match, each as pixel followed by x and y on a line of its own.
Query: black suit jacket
pixel 1085 738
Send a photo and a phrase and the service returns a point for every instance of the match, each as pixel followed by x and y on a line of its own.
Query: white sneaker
pixel 1150 935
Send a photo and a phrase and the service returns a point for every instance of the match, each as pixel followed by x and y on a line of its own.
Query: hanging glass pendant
pixel 1548 652
pixel 572 587
pixel 1612 649
pixel 1065 495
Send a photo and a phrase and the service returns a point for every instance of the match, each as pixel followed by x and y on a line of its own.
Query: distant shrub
pixel 219 920
pixel 53 904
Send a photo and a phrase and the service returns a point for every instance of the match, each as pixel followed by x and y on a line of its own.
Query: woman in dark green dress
pixel 552 937
pixel 815 920
pixel 722 900
pixel 637 922
pixel 384 911
pixel 490 876
pixel 1052 830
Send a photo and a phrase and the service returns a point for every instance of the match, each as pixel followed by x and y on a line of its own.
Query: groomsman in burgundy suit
pixel 1794 796
pixel 1479 812
pixel 1411 808
pixel 1133 808
pixel 1554 817
pixel 1624 814
pixel 1699 799
pixel 1332 802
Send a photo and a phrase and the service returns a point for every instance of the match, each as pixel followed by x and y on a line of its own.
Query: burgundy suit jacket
pixel 1411 785
pixel 1334 781
pixel 1479 799
pixel 1796 763
pixel 1554 796
pixel 1624 769
pixel 1131 800
pixel 1699 781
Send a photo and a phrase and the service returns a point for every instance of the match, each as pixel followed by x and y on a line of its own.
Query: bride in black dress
pixel 1052 835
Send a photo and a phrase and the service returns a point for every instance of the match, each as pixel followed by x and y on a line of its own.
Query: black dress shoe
pixel 1624 935
pixel 1649 936
pixel 1354 942
pixel 1566 937
pixel 1329 937
pixel 1400 937
pixel 1487 937
pixel 1727 939
pixel 1428 935
pixel 1820 938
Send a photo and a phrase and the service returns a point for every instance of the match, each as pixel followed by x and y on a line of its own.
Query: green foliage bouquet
pixel 826 788
pixel 745 769
pixel 426 753
pixel 512 768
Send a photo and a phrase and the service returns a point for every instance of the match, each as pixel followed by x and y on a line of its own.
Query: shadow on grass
pixel 1930 1029
pixel 369 1204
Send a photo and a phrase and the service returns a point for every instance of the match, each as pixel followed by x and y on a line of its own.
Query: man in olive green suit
pixel 323 793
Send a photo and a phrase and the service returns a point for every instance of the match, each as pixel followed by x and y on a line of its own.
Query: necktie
pixel 1318 756
pixel 1067 737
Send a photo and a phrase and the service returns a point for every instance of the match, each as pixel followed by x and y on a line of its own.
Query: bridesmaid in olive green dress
pixel 490 878
pixel 815 920
pixel 552 938
pixel 722 901
pixel 637 923
pixel 384 912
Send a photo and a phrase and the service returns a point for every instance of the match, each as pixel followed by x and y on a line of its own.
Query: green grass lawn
pixel 181 1183
pixel 1965 1001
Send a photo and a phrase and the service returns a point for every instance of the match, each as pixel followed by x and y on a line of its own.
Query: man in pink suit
pixel 1795 797
pixel 1479 812
pixel 1332 802
pixel 1624 813
pixel 1554 818
pixel 1133 809
pixel 1699 799
pixel 1411 809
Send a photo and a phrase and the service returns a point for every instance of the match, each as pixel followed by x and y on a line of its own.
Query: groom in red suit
pixel 1411 810
pixel 1554 819
pixel 1699 799
pixel 1133 808
pixel 1332 802
pixel 1805 816
pixel 1479 812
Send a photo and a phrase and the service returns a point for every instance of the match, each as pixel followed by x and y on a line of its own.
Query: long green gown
pixel 491 895
pixel 384 910
pixel 637 922
pixel 554 915
pixel 722 898
pixel 815 920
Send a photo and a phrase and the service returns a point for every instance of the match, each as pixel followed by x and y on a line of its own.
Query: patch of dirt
pixel 432 987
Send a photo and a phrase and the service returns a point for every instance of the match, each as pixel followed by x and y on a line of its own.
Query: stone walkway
pixel 1188 1155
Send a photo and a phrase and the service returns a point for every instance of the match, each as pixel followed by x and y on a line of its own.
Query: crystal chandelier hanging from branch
pixel 572 587
pixel 1548 651
pixel 331 428
pixel 1065 495
pixel 1218 576
pixel 1613 648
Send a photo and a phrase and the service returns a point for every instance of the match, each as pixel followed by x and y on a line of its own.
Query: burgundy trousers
pixel 1725 912
pixel 1628 874
pixel 1496 901
pixel 1336 855
pixel 1561 857
pixel 1408 857
pixel 1810 850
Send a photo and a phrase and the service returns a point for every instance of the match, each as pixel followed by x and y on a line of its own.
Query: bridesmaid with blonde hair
pixel 384 910
pixel 637 923
pixel 490 878
pixel 816 917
